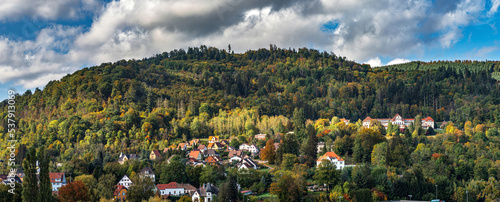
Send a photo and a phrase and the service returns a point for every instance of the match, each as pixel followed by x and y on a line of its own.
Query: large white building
pixel 332 157
pixel 400 121
pixel 175 189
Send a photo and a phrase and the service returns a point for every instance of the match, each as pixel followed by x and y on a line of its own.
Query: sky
pixel 44 40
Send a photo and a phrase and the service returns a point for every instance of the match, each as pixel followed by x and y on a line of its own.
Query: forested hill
pixel 189 93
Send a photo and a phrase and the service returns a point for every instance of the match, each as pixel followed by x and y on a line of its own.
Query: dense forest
pixel 87 118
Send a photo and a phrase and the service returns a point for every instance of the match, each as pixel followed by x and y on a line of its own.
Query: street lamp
pixel 467 192
pixel 410 196
pixel 340 198
pixel 436 191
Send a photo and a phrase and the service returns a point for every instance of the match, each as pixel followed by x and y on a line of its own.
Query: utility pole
pixel 436 191
pixel 410 196
pixel 467 192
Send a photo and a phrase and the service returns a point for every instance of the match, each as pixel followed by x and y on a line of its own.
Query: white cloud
pixel 374 62
pixel 482 52
pixel 45 9
pixel 494 7
pixel 398 61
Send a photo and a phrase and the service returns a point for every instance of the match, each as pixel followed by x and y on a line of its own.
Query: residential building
pixel 182 146
pixel 206 193
pixel 175 189
pixel 260 136
pixel 125 157
pixel 247 163
pixel 215 146
pixel 211 152
pixel 155 155
pixel 148 172
pixel 234 153
pixel 224 142
pixel 213 139
pixel 120 193
pixel 399 121
pixel 196 155
pixel 202 148
pixel 251 148
pixel 213 160
pixel 230 148
pixel 194 142
pixel 57 180
pixel 125 181
pixel 332 157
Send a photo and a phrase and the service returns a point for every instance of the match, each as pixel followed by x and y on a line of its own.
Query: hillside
pixel 87 118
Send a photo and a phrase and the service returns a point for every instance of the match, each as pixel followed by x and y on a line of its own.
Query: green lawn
pixel 266 195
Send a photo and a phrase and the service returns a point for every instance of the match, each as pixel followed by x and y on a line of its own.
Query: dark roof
pixel 156 152
pixel 146 169
pixel 210 152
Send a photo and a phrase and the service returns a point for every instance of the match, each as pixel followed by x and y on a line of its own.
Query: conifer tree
pixel 30 181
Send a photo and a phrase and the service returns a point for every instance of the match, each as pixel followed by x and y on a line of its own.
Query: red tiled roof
pixel 171 185
pixel 118 189
pixel 156 152
pixel 331 155
pixel 194 154
pixel 54 176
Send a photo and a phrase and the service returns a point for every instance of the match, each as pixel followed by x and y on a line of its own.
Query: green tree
pixel 326 174
pixel 45 185
pixel 91 184
pixel 208 175
pixel 299 118
pixel 142 189
pixel 175 171
pixel 289 160
pixel 228 190
pixel 30 181
pixel 311 147
pixel 105 186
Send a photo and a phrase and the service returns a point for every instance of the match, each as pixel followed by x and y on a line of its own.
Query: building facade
pixel 401 122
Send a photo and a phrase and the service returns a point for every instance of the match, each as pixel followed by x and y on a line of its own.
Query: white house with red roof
pixel 332 157
pixel 175 189
pixel 57 180
pixel 427 122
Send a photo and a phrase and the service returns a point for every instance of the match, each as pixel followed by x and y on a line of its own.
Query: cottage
pixel 251 148
pixel 155 155
pixel 125 181
pixel 234 153
pixel 202 148
pixel 213 160
pixel 247 163
pixel 332 157
pixel 206 193
pixel 215 146
pixel 57 180
pixel 196 155
pixel 230 148
pixel 213 139
pixel 182 146
pixel 125 157
pixel 147 172
pixel 194 142
pixel 120 193
pixel 211 152
pixel 224 142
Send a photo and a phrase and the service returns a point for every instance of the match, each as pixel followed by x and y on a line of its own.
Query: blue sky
pixel 44 40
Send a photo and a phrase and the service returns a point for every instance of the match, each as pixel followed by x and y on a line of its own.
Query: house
pixel 247 163
pixel 234 153
pixel 400 122
pixel 182 146
pixel 120 193
pixel 224 142
pixel 260 136
pixel 206 193
pixel 235 159
pixel 202 148
pixel 346 121
pixel 5 179
pixel 211 152
pixel 215 146
pixel 155 155
pixel 194 162
pixel 251 148
pixel 147 172
pixel 194 142
pixel 332 157
pixel 171 147
pixel 213 160
pixel 196 155
pixel 125 157
pixel 320 146
pixel 213 139
pixel 276 146
pixel 57 180
pixel 230 148
pixel 125 181
pixel 175 189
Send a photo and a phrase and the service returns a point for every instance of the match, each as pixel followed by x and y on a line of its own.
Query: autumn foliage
pixel 74 191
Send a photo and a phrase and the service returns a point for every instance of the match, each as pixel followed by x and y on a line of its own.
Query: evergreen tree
pixel 45 185
pixel 229 190
pixel 298 119
pixel 30 181
pixel 311 149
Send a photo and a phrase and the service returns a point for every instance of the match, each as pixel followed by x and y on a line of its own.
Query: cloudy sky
pixel 43 40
